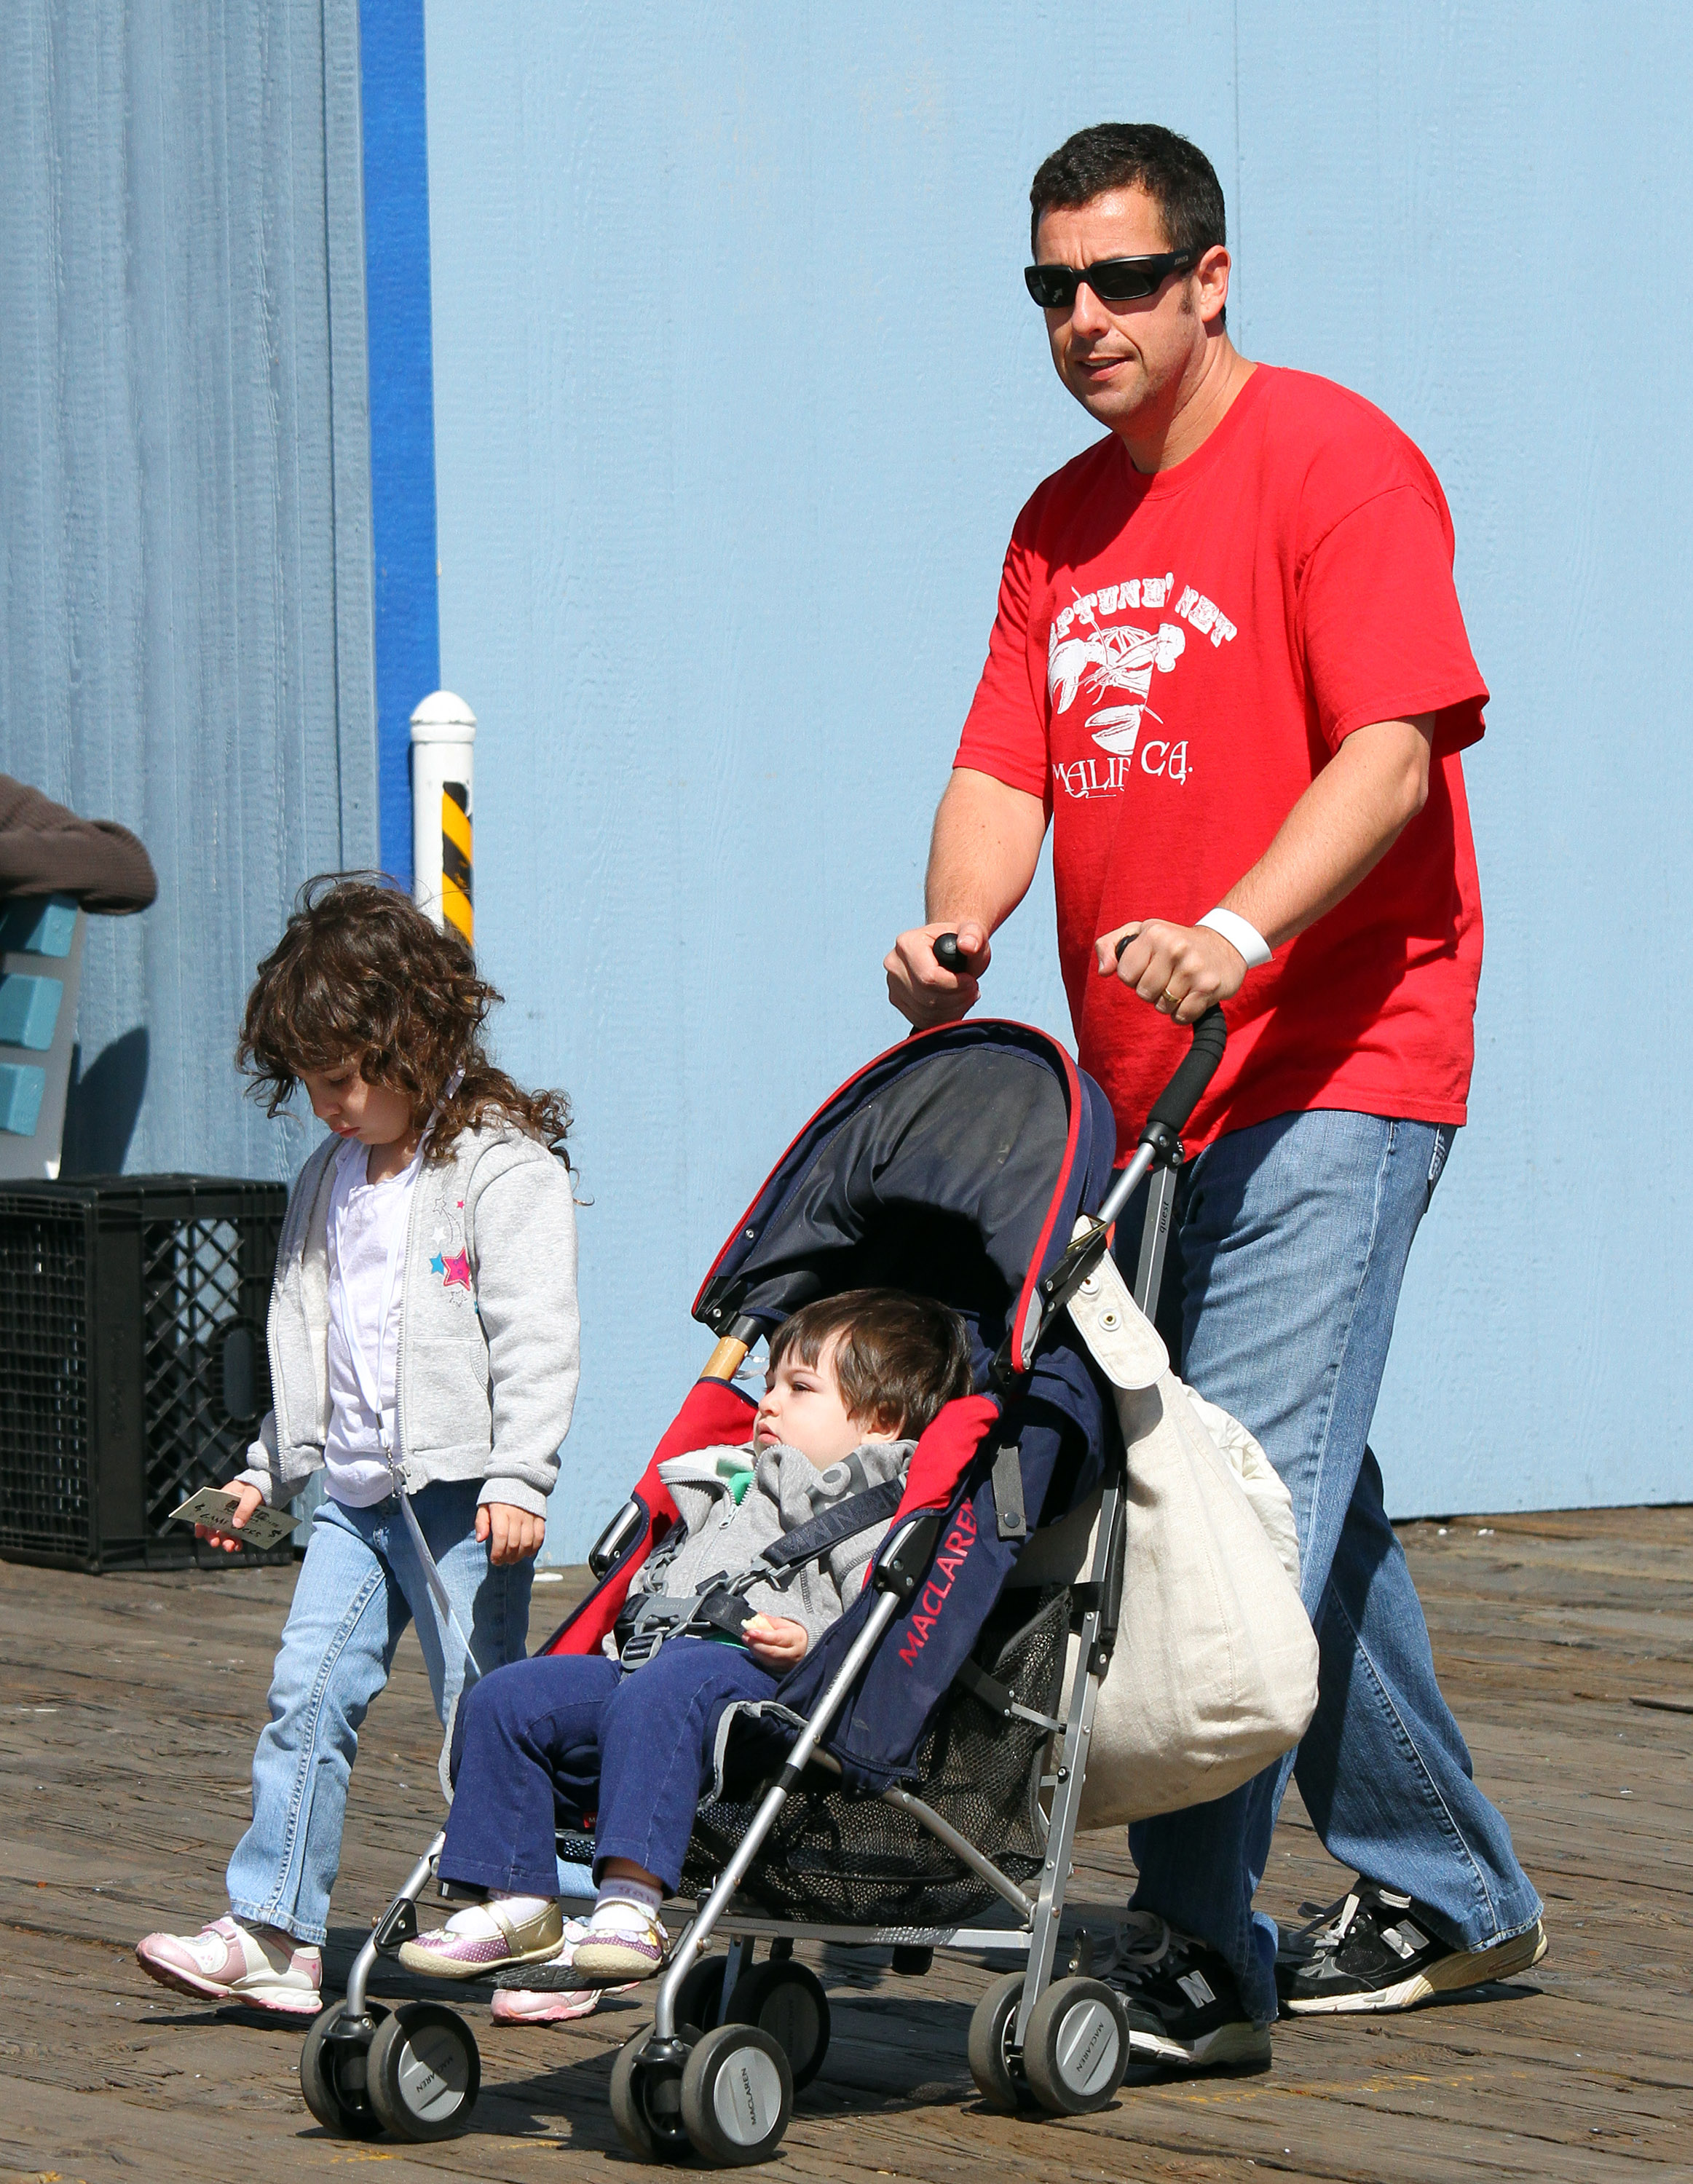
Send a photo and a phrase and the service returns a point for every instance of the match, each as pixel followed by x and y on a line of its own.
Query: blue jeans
pixel 360 1584
pixel 572 1741
pixel 1287 1253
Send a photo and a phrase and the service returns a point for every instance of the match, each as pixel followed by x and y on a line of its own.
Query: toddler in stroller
pixel 776 1537
pixel 914 1780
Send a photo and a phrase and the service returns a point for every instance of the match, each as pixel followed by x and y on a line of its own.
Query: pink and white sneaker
pixel 547 1994
pixel 526 2005
pixel 233 1961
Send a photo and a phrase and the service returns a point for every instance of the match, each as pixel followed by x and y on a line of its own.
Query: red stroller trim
pixel 714 1414
pixel 942 1456
pixel 1026 1319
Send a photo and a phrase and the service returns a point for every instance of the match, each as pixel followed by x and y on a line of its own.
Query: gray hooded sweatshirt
pixel 786 1490
pixel 487 1366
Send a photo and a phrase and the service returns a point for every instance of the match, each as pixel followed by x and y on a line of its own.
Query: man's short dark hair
pixel 900 1357
pixel 1134 155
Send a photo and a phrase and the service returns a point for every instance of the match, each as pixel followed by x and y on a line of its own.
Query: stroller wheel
pixel 1077 2047
pixel 1000 2084
pixel 737 2095
pixel 425 2072
pixel 333 2074
pixel 787 2001
pixel 700 1999
pixel 646 2098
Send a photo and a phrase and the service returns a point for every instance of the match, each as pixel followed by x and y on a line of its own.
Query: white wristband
pixel 1253 948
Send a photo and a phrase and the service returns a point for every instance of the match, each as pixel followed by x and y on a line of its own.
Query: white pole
pixel 443 737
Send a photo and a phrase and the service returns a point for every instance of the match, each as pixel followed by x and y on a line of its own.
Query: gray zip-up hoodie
pixel 717 1536
pixel 488 1360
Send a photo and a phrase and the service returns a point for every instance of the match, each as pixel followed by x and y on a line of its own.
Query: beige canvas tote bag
pixel 1215 1672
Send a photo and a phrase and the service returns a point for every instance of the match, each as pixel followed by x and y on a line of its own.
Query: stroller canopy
pixel 954 1165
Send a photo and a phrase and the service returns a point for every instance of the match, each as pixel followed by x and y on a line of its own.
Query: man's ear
pixel 1210 279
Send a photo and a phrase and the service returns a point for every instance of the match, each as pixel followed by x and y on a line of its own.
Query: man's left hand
pixel 513 1535
pixel 1181 969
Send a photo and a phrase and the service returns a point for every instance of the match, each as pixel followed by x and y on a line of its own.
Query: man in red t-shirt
pixel 1229 670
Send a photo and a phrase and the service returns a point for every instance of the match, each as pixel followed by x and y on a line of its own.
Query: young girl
pixel 423 1348
pixel 854 1379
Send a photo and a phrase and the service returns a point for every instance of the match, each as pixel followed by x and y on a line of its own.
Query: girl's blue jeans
pixel 1288 1251
pixel 360 1584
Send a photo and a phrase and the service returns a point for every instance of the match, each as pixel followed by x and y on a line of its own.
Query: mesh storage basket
pixel 133 1368
pixel 833 1858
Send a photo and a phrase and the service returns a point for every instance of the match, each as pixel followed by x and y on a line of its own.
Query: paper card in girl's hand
pixel 215 1506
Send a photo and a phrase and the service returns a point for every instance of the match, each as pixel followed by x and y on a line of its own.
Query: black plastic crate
pixel 133 1365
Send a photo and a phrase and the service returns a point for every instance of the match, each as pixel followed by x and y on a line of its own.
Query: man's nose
pixel 1089 315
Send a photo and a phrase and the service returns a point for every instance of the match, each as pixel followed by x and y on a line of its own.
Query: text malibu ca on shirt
pixel 1123 658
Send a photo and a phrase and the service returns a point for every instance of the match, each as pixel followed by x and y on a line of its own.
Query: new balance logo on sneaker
pixel 1180 1998
pixel 1365 1953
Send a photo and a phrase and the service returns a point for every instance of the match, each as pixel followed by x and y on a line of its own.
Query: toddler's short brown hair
pixel 899 1359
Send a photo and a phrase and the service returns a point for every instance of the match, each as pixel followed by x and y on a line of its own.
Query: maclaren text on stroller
pixel 917 1779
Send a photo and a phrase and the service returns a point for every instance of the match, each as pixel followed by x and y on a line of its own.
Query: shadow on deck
pixel 1565 1642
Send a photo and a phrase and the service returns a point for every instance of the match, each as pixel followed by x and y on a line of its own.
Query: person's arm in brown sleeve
pixel 46 850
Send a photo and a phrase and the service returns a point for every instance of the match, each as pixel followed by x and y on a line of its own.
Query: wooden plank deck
pixel 128 1710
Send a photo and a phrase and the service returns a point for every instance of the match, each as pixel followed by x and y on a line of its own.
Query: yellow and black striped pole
pixel 443 741
pixel 457 894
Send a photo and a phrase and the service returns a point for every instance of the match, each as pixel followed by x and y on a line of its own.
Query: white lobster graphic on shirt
pixel 1120 658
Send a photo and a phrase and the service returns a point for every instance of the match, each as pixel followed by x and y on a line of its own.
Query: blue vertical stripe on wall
pixel 408 647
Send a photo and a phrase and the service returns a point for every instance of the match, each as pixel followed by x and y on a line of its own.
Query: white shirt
pixel 367 1227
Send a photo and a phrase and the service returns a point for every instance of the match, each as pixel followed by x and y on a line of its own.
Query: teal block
pixel 22 1088
pixel 37 926
pixel 29 1009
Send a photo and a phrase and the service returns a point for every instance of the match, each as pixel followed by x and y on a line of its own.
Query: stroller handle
pixel 1160 1136
pixel 949 955
pixel 1193 1072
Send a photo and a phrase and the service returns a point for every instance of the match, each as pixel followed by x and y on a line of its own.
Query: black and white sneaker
pixel 1183 2007
pixel 1377 1950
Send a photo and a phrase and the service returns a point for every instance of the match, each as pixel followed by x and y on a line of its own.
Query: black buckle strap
pixel 976 1680
pixel 856 1513
pixel 1009 1513
pixel 973 1678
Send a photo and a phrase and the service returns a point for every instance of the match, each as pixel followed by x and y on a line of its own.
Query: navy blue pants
pixel 553 1740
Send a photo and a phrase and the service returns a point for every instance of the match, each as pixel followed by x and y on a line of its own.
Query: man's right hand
pixel 229 1540
pixel 924 991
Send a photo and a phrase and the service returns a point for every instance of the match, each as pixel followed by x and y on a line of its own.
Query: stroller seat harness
pixel 719 1610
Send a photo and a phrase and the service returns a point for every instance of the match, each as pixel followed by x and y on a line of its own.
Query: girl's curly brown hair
pixel 361 972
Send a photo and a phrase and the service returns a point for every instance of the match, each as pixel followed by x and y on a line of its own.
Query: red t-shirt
pixel 1175 659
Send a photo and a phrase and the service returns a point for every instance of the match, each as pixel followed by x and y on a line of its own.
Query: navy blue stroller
pixel 920 1783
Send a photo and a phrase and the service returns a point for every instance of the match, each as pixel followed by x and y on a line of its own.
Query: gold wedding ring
pixel 1174 1000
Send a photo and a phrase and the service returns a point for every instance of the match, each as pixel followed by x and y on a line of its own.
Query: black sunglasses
pixel 1113 280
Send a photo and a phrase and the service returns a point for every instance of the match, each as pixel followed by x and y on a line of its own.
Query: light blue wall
pixel 185 629
pixel 737 392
